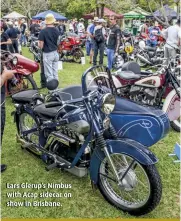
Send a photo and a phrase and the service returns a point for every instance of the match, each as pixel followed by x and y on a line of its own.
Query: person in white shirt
pixel 173 39
pixel 81 27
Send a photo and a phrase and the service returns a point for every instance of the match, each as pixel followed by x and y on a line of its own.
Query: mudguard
pixel 126 146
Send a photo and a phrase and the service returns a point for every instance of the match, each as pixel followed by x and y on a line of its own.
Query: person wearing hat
pixel 88 39
pixel 99 42
pixel 23 29
pixel 173 40
pixel 48 42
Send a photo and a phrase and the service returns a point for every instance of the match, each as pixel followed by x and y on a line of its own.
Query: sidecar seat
pixel 24 97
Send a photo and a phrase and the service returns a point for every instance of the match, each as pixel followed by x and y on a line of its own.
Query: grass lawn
pixel 23 167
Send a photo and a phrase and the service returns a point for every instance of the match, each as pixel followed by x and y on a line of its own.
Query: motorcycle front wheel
pixel 20 83
pixel 77 54
pixel 140 190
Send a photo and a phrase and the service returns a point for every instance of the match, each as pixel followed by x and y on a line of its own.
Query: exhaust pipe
pixel 143 59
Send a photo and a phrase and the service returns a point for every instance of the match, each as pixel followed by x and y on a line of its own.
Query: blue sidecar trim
pixel 125 146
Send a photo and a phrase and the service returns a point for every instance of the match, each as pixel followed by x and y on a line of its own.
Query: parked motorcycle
pixel 70 48
pixel 23 78
pixel 74 133
pixel 147 55
pixel 33 48
pixel 160 89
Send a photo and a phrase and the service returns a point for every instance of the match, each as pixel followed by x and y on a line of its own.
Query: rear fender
pixel 125 146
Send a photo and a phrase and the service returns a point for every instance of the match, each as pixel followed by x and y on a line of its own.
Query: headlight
pixel 108 102
pixel 15 60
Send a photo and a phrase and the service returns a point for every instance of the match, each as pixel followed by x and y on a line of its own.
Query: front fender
pixel 126 146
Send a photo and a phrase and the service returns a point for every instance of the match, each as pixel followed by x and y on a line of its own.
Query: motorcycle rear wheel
pixel 78 53
pixel 24 82
pixel 133 184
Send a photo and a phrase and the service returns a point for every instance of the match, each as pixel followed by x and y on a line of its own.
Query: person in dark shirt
pixel 113 41
pixel 13 33
pixel 34 29
pixel 5 40
pixel 61 28
pixel 23 29
pixel 48 42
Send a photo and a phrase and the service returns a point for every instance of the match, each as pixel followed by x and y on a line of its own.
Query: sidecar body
pixel 145 125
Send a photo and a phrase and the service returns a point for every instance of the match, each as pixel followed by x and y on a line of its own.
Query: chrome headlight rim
pixel 108 102
pixel 15 60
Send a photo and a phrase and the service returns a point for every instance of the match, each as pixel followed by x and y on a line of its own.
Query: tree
pixel 32 7
pixel 159 4
pixel 6 6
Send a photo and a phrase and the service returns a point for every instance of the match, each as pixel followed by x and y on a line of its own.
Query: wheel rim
pixel 134 191
pixel 177 122
pixel 26 122
pixel 22 83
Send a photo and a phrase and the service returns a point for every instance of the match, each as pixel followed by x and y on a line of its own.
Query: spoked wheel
pixel 27 122
pixel 20 83
pixel 78 53
pixel 140 190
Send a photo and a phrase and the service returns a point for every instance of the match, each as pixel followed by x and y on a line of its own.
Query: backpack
pixel 98 37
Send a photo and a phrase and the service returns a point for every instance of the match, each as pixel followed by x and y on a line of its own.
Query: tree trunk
pixel 102 10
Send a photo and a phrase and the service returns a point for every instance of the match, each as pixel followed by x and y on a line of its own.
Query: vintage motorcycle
pixel 149 56
pixel 71 129
pixel 33 48
pixel 23 78
pixel 70 48
pixel 160 89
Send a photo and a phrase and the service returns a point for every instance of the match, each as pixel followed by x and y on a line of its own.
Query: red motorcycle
pixel 23 79
pixel 70 48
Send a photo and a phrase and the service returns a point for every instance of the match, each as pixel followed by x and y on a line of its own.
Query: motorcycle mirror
pixel 53 84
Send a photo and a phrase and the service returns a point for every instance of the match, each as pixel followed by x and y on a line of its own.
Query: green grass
pixel 85 203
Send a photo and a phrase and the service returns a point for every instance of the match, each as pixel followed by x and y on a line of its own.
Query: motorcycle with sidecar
pixel 85 128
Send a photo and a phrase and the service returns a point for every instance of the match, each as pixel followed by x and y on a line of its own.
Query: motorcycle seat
pixel 148 48
pixel 128 75
pixel 50 112
pixel 71 92
pixel 24 96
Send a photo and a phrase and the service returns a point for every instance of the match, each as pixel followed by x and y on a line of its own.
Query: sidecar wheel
pixel 134 195
pixel 176 125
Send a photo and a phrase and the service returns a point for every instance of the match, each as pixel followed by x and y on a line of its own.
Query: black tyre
pixel 176 125
pixel 78 53
pixel 121 195
pixel 22 82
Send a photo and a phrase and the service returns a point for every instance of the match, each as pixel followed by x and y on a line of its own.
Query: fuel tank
pixel 26 63
pixel 146 125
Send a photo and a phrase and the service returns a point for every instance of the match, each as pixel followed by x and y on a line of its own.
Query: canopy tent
pixel 107 13
pixel 169 12
pixel 42 15
pixel 137 13
pixel 14 15
pixel 133 14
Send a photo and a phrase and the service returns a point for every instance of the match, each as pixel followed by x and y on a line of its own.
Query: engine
pixel 67 140
pixel 143 95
